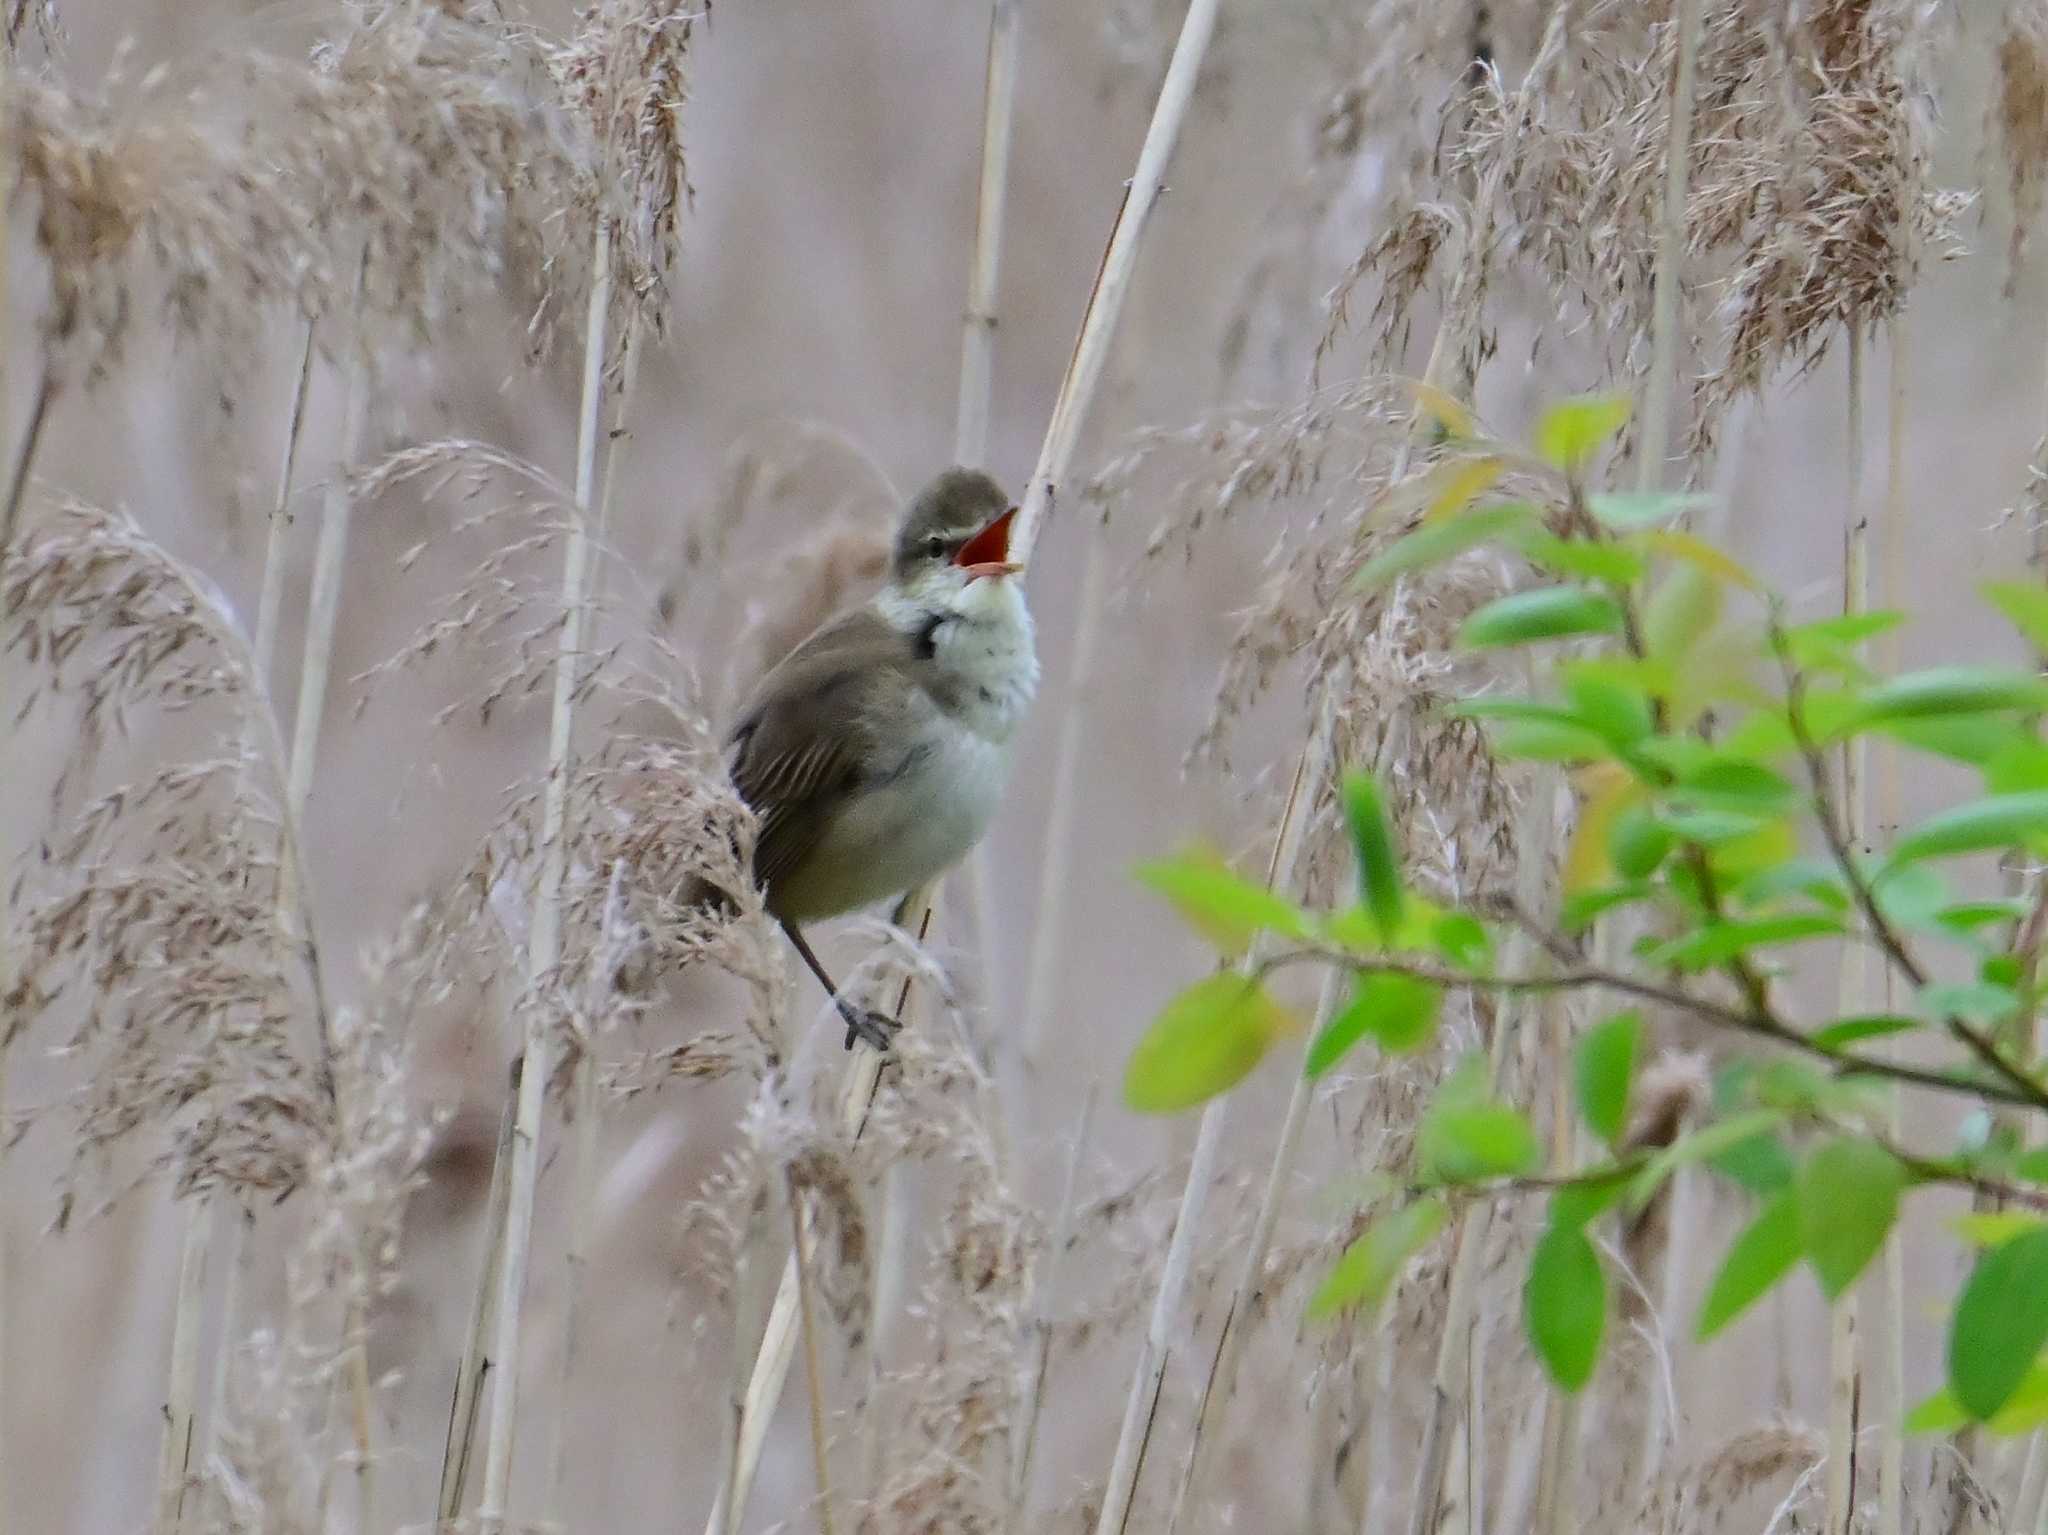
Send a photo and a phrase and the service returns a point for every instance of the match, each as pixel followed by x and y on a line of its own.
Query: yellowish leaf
pixel 1606 789
pixel 1454 485
pixel 1681 545
pixel 1444 408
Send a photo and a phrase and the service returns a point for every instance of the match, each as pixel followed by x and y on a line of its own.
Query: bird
pixel 875 753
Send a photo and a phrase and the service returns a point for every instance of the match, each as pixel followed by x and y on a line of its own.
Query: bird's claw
pixel 876 1030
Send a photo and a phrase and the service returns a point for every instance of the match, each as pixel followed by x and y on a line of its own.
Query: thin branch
pixel 2024 1087
pixel 1586 976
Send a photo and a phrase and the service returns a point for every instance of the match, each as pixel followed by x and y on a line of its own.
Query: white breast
pixel 906 829
pixel 920 817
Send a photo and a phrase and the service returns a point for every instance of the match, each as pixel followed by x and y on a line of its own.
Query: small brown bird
pixel 875 753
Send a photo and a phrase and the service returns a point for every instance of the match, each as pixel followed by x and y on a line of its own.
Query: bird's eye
pixel 935 546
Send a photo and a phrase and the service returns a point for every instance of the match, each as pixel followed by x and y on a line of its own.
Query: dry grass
pixel 204 998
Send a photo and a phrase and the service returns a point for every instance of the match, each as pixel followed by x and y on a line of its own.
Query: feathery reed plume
pixel 2017 123
pixel 273 1471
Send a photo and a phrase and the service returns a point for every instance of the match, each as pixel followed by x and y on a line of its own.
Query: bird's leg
pixel 877 1029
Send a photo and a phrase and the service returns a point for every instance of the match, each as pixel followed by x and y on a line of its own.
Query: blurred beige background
pixel 833 152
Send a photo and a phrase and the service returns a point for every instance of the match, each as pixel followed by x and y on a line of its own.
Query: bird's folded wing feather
pixel 804 735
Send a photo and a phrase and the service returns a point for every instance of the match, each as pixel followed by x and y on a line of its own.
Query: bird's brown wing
pixel 800 742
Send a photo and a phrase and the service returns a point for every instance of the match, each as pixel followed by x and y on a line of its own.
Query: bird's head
pixel 956 536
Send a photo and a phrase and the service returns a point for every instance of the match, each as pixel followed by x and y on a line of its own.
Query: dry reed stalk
pixel 1031 1394
pixel 1891 1340
pixel 25 453
pixel 1043 968
pixel 814 1370
pixel 5 1315
pixel 770 1368
pixel 271 595
pixel 978 324
pixel 583 1077
pixel 1148 1375
pixel 1534 840
pixel 977 380
pixel 323 604
pixel 236 1256
pixel 458 1452
pixel 1113 281
pixel 892 1265
pixel 544 943
pixel 174 1452
pixel 1557 1476
pixel 316 662
pixel 1653 439
pixel 1852 981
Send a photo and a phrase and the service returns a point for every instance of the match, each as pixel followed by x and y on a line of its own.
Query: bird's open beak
pixel 988 552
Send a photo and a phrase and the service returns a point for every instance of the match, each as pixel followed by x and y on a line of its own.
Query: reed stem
pixel 544 946
pixel 1113 281
pixel 1852 982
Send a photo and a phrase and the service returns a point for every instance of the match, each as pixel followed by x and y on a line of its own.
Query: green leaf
pixel 1968 916
pixel 1944 690
pixel 1370 1265
pixel 1565 1305
pixel 1204 1042
pixel 1848 1031
pixel 1719 942
pixel 1603 1067
pixel 1757 1259
pixel 2024 1411
pixel 1833 641
pixel 1460 939
pixel 1619 709
pixel 1940 1413
pixel 1581 1200
pixel 1542 741
pixel 1976 739
pixel 1680 611
pixel 1222 905
pixel 1705 1143
pixel 1572 431
pixel 1466 1136
pixel 1579 910
pixel 1397 1010
pixel 2021 765
pixel 2000 1324
pixel 1911 897
pixel 1759 1163
pixel 1445 539
pixel 1981 1002
pixel 1627 512
pixel 1848 1195
pixel 1994 1228
pixel 1582 558
pixel 1712 828
pixel 1548 613
pixel 2026 604
pixel 1997 822
pixel 1736 783
pixel 1379 872
pixel 1638 842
